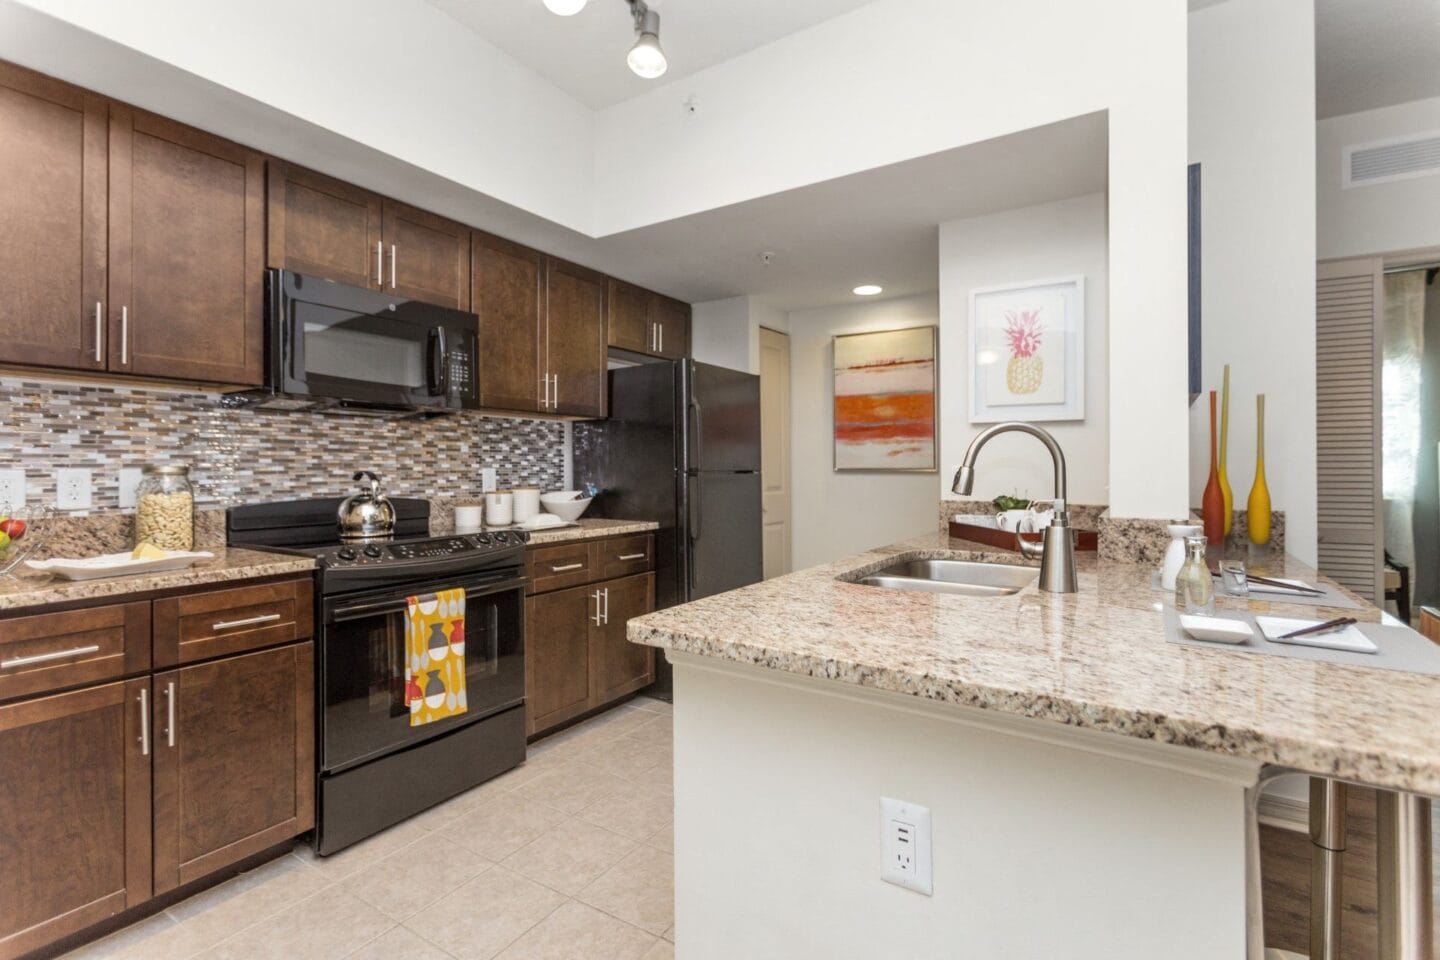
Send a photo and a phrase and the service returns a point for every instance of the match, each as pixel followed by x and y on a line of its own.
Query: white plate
pixel 1349 639
pixel 116 565
pixel 1216 629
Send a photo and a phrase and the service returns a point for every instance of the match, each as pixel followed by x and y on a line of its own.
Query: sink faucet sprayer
pixel 1057 551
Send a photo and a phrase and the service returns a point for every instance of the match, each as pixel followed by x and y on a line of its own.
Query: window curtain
pixel 1402 383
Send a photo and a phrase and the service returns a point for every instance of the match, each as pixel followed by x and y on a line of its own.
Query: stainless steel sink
pixel 963 577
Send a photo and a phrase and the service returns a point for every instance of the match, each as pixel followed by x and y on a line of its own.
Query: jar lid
pixel 166 469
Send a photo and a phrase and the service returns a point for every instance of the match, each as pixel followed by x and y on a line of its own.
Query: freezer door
pixel 724 532
pixel 723 420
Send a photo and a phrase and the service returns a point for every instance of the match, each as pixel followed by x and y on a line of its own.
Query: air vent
pixel 1387 160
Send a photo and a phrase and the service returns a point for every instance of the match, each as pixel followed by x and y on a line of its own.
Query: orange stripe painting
pixel 885 400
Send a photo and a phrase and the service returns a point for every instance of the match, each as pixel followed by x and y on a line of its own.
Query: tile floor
pixel 567 856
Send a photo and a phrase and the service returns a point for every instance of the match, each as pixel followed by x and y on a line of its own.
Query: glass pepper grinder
pixel 1194 590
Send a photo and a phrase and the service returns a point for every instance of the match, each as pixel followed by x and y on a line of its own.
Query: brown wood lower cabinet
pixel 576 656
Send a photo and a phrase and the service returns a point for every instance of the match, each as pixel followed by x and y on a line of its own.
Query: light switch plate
pixel 129 480
pixel 487 480
pixel 905 845
pixel 72 488
pixel 12 488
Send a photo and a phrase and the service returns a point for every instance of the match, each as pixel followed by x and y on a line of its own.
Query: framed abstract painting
pixel 1027 351
pixel 885 410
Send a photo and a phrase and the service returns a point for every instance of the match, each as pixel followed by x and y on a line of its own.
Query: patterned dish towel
pixel 435 656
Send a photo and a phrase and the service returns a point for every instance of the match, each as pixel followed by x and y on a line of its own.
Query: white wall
pixel 1034 243
pixel 836 514
pixel 727 332
pixel 1382 217
pixel 1252 104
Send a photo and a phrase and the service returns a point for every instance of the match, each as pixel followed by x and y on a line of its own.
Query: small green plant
pixel 1004 502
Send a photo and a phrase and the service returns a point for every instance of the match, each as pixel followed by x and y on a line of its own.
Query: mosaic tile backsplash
pixel 245 456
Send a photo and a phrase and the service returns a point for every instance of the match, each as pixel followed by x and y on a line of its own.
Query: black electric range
pixel 374 769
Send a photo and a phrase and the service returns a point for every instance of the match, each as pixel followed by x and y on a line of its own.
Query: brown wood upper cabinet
pixel 646 322
pixel 338 231
pixel 507 291
pixel 576 306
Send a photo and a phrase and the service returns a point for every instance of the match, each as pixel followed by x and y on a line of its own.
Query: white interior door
pixel 775 449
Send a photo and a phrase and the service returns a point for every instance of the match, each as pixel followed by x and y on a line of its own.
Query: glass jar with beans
pixel 165 507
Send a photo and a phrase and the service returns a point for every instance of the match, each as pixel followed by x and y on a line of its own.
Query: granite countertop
pixel 23 588
pixel 1097 659
pixel 591 529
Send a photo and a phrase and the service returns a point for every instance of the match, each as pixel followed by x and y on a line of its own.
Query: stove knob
pixel 502 537
pixel 346 553
pixel 372 551
pixel 483 539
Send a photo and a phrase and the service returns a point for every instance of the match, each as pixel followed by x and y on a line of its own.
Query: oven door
pixel 362 665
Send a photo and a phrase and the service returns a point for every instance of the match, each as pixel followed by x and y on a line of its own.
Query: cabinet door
pixel 428 257
pixel 186 252
pixel 672 327
pixel 507 283
pixel 234 760
pixel 74 812
pixel 575 311
pixel 323 227
pixel 630 317
pixel 617 665
pixel 52 206
pixel 557 656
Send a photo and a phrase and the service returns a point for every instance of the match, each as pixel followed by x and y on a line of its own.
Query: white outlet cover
pixel 72 488
pixel 905 845
pixel 487 480
pixel 12 488
pixel 129 480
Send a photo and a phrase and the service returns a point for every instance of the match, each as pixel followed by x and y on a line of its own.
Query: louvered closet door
pixel 1347 355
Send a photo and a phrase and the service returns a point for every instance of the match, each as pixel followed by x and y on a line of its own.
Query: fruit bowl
pixel 21 531
pixel 563 504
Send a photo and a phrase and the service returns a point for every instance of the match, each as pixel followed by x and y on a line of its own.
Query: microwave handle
pixel 439 369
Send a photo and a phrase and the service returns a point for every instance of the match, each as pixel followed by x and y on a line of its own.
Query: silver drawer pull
pixel 47 657
pixel 568 566
pixel 247 622
pixel 631 556
pixel 144 722
pixel 170 714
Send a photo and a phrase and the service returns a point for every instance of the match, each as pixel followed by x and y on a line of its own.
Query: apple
pixel 12 527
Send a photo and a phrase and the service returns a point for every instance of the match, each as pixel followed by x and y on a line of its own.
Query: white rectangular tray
pixel 116 565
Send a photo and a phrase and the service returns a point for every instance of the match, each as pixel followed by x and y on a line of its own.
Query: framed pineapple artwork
pixel 1027 351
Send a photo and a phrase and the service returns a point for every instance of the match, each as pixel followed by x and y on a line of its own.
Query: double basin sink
pixel 963 577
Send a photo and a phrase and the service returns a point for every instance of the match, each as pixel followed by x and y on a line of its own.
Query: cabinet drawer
pixel 563 565
pixel 623 556
pixel 221 622
pixel 53 650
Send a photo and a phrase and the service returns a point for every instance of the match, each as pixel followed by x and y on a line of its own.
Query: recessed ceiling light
pixel 868 289
pixel 565 8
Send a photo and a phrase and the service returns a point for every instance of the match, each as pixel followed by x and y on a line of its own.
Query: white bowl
pixel 1216 629
pixel 563 504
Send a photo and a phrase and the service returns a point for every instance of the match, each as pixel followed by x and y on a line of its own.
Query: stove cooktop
pixel 409 550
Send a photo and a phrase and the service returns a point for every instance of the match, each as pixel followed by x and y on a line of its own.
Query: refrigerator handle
pixel 693 509
pixel 699 434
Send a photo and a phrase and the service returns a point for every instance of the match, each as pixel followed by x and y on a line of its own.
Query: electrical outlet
pixel 12 489
pixel 488 482
pixel 72 488
pixel 129 480
pixel 905 845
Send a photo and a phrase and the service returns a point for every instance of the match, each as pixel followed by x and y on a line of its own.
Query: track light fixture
pixel 646 58
pixel 565 8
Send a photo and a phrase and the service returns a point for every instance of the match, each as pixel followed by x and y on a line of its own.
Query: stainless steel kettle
pixel 367 514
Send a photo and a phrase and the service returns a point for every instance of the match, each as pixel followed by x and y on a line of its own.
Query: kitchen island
pixel 1090 784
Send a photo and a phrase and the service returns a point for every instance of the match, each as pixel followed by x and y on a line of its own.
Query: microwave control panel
pixel 462 374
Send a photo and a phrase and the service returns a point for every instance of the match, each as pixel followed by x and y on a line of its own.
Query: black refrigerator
pixel 681 447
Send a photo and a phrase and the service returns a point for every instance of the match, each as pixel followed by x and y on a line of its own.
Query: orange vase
pixel 1212 505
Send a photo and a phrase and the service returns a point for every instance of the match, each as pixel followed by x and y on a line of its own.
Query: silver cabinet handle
pixel 144 722
pixel 170 714
pixel 654 337
pixel 379 263
pixel 555 401
pixel 99 332
pixel 392 266
pixel 606 592
pixel 631 556
pixel 47 657
pixel 247 622
pixel 596 619
pixel 124 336
pixel 660 336
pixel 568 566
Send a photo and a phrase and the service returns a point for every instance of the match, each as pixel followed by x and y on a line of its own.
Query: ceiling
pixel 584 54
pixel 1375 53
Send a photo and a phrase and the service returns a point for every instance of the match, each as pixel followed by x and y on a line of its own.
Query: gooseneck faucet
pixel 1057 549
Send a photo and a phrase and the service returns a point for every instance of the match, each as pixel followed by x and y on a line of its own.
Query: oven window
pixel 356 346
pixel 364 676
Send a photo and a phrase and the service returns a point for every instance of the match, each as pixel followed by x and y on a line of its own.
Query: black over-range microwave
pixel 345 348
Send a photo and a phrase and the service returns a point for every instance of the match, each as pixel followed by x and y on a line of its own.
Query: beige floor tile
pixel 576 931
pixel 486 915
pixel 640 890
pixel 569 856
pixel 500 826
pixel 399 943
pixel 327 926
pixel 664 838
pixel 443 813
pixel 660 950
pixel 133 937
pixel 660 731
pixel 653 705
pixel 415 876
pixel 636 812
pixel 571 787
pixel 625 757
pixel 352 860
pixel 621 721
pixel 661 775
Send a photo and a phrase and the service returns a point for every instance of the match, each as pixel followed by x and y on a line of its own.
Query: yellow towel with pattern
pixel 435 656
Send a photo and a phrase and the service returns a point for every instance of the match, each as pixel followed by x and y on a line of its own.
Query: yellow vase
pixel 1258 507
pixel 1224 444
